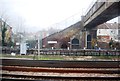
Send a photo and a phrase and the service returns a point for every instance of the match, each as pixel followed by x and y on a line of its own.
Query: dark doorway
pixel 89 42
pixel 75 43
pixel 64 46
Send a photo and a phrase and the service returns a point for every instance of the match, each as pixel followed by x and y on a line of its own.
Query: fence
pixel 74 52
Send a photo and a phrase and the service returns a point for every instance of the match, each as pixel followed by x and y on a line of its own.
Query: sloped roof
pixel 107 26
pixel 64 34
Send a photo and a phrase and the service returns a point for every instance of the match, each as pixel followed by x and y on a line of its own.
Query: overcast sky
pixel 36 15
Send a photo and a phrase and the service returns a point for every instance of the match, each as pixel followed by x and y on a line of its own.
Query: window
pixel 99 31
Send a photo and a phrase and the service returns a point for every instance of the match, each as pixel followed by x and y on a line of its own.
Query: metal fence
pixel 81 52
pixel 74 52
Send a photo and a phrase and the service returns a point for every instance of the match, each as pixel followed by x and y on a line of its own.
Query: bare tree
pixel 5 27
pixel 19 24
pixel 3 14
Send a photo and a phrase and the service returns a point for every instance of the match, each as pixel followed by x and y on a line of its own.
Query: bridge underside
pixel 108 14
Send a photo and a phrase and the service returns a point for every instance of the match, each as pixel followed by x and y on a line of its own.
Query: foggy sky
pixel 35 15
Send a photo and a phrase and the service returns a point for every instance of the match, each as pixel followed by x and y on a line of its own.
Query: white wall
pixel 113 33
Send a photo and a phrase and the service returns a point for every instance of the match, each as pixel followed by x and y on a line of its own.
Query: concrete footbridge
pixel 102 11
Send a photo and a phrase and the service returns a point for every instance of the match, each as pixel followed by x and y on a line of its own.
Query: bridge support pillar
pixel 85 33
pixel 87 39
pixel 119 29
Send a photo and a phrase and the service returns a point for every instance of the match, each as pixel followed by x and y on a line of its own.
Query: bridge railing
pixel 95 6
pixel 93 9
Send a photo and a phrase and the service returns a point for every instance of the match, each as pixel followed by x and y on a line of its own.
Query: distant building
pixel 107 31
pixel 104 33
pixel 74 38
pixel 63 38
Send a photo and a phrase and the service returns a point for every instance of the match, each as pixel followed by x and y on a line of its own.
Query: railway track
pixel 59 70
pixel 56 78
pixel 60 63
pixel 17 70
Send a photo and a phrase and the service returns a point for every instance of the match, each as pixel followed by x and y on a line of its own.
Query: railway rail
pixel 60 67
pixel 54 70
pixel 60 63
pixel 57 78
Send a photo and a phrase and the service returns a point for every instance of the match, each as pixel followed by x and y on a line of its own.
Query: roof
pixel 64 34
pixel 108 26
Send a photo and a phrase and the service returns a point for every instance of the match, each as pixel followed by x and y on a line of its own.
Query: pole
pixel 86 39
pixel 38 47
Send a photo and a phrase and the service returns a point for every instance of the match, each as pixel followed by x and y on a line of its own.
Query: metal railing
pixel 70 52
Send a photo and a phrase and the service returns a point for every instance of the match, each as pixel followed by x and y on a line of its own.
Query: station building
pixel 74 38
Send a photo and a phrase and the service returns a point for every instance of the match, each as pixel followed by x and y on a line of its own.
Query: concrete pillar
pixel 119 28
pixel 84 39
pixel 86 33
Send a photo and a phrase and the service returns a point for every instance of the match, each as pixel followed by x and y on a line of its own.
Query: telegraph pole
pixel 38 47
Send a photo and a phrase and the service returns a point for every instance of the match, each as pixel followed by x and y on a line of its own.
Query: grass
pixel 50 57
pixel 106 57
pixel 35 57
pixel 56 57
pixel 16 56
pixel 43 57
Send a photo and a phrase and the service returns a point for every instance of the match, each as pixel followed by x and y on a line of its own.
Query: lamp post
pixel 39 43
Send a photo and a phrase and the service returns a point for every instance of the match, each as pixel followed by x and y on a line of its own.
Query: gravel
pixel 60 74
